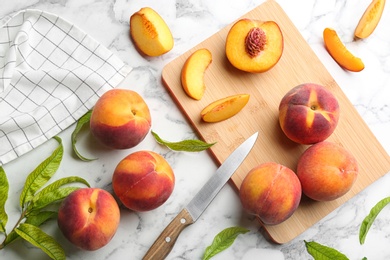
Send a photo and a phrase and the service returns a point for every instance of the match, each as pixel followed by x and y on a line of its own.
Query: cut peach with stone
pixel 192 73
pixel 224 108
pixel 370 19
pixel 150 33
pixel 340 53
pixel 253 45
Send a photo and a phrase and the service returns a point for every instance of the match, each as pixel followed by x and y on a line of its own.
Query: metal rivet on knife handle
pixel 165 242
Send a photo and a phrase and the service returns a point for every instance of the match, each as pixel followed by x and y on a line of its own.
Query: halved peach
pixel 370 19
pixel 340 53
pixel 150 33
pixel 192 73
pixel 224 108
pixel 253 45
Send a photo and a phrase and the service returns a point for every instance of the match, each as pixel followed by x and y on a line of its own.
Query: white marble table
pixel 191 22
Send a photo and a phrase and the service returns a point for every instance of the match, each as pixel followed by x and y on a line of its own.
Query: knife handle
pixel 165 242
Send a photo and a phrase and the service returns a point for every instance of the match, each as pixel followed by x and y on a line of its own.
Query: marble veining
pixel 191 22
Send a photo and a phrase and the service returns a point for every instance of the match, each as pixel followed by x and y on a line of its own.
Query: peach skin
pixel 143 181
pixel 89 218
pixel 308 113
pixel 326 171
pixel 270 191
pixel 120 119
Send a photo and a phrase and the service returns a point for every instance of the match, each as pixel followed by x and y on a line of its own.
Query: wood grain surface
pixel 298 65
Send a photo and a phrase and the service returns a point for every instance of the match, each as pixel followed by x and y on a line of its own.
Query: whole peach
pixel 89 218
pixel 271 192
pixel 143 180
pixel 327 171
pixel 120 119
pixel 308 113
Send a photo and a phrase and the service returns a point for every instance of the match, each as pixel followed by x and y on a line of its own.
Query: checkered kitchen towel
pixel 51 73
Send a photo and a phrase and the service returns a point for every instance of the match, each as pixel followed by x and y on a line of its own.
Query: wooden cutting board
pixel 298 64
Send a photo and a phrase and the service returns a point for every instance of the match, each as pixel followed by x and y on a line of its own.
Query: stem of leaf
pixel 6 242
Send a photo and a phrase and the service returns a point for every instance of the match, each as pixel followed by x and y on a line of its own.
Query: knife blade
pixel 189 214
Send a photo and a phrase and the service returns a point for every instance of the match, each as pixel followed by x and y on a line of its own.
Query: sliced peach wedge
pixel 150 33
pixel 192 73
pixel 340 53
pixel 253 45
pixel 370 19
pixel 224 108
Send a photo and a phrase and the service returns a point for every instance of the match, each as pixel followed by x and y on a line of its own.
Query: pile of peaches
pixel 144 180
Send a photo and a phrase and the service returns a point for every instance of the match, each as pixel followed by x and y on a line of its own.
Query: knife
pixel 165 242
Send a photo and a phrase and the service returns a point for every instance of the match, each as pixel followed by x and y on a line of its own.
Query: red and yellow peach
pixel 120 119
pixel 308 113
pixel 143 180
pixel 326 171
pixel 270 191
pixel 89 218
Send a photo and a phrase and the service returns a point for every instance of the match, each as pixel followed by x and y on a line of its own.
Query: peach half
pixel 326 171
pixel 270 191
pixel 120 119
pixel 224 108
pixel 143 181
pixel 340 53
pixel 308 113
pixel 192 73
pixel 370 19
pixel 150 33
pixel 89 218
pixel 254 46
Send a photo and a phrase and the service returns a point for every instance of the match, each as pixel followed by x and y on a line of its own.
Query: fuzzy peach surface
pixel 117 107
pixel 308 113
pixel 89 218
pixel 270 191
pixel 327 171
pixel 143 180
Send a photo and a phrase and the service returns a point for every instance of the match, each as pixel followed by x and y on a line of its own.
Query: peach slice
pixel 370 19
pixel 224 108
pixel 254 46
pixel 192 73
pixel 150 33
pixel 340 53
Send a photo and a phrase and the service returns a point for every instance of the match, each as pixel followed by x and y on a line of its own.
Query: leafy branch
pixel 34 202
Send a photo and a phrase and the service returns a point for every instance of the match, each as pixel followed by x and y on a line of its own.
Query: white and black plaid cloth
pixel 51 73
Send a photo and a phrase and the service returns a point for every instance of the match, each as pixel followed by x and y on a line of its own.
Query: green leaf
pixel 57 184
pixel 51 197
pixel 223 240
pixel 321 252
pixel 40 239
pixel 40 217
pixel 4 187
pixel 35 219
pixel 80 123
pixel 41 174
pixel 185 145
pixel 369 219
